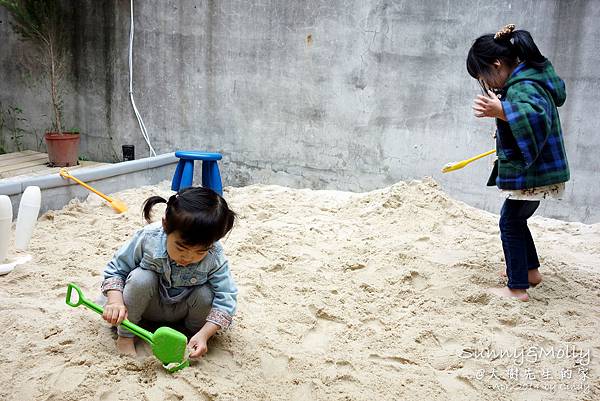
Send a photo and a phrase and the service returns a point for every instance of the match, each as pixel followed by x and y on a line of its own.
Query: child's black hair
pixel 510 48
pixel 199 215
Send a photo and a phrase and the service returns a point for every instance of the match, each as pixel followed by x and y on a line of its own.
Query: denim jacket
pixel 147 249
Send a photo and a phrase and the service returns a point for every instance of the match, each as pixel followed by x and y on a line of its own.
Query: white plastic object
pixel 8 267
pixel 27 217
pixel 6 216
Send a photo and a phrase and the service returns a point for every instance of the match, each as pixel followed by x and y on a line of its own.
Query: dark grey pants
pixel 143 300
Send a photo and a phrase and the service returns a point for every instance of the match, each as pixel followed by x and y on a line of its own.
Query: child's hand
pixel 115 313
pixel 488 106
pixel 197 346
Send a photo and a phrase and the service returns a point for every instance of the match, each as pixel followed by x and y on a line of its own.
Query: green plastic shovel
pixel 168 345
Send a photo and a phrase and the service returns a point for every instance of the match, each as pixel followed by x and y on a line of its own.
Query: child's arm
pixel 225 294
pixel 223 307
pixel 123 262
pixel 198 341
pixel 529 116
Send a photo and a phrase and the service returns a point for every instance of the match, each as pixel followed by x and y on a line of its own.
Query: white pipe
pixel 135 110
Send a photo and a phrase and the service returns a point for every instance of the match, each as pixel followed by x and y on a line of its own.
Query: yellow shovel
pixel 458 165
pixel 119 206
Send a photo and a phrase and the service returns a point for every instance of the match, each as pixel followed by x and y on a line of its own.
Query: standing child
pixel 522 92
pixel 174 270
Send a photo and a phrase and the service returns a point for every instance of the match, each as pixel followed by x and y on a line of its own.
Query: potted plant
pixel 41 23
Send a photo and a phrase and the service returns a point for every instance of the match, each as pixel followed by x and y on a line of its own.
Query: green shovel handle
pixel 81 300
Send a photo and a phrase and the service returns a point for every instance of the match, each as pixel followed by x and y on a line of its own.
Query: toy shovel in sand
pixel 168 345
pixel 458 165
pixel 119 206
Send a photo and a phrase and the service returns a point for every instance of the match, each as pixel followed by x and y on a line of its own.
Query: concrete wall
pixel 335 94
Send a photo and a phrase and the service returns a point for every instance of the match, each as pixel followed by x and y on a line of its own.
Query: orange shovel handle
pixel 65 174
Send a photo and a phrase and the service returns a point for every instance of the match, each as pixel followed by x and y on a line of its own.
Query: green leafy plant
pixel 11 121
pixel 41 23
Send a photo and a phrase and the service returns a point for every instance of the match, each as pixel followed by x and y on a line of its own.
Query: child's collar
pixel 161 251
pixel 518 68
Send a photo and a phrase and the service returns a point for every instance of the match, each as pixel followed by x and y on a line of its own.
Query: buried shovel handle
pixel 119 206
pixel 65 174
pixel 135 329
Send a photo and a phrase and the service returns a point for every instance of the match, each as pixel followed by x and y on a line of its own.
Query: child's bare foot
pixel 126 346
pixel 534 276
pixel 510 293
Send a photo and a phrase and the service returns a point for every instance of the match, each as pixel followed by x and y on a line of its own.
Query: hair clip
pixel 505 31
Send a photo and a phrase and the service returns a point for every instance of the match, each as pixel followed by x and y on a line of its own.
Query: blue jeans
pixel 519 249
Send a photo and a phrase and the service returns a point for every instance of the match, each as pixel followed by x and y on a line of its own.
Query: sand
pixel 343 296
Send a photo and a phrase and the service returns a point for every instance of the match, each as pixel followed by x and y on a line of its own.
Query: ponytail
pixel 149 203
pixel 526 49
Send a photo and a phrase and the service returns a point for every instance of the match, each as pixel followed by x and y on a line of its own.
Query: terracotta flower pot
pixel 63 148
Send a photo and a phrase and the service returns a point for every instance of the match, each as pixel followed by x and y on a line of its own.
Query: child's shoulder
pixel 153 227
pixel 152 231
pixel 217 254
pixel 527 90
pixel 525 85
pixel 217 250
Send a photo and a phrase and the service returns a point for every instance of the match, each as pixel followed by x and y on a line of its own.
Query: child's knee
pixel 201 296
pixel 141 279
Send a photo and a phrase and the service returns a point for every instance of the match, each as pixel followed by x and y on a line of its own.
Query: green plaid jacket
pixel 530 147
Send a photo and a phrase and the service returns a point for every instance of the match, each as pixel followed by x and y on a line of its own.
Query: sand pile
pixel 342 296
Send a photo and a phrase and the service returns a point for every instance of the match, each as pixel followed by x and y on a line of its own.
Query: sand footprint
pixel 416 280
pixel 274 366
pixel 376 325
pixel 221 357
pixel 262 216
pixel 304 392
pixel 457 386
pixel 429 339
pixel 318 338
pixel 166 390
pixel 68 378
pixel 478 297
pixel 444 351
pixel 110 396
pixel 395 361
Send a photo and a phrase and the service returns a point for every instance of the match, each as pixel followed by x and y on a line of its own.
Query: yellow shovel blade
pixel 119 206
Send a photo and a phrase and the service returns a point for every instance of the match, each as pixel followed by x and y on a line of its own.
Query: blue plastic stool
pixel 184 173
